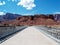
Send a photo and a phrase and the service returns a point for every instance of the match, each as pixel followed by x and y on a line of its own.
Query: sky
pixel 26 7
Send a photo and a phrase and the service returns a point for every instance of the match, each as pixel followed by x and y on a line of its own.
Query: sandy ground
pixel 29 36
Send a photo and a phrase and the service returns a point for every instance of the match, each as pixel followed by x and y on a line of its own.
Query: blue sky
pixel 30 6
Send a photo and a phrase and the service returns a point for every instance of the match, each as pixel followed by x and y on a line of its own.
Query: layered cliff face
pixel 57 17
pixel 37 20
pixel 33 20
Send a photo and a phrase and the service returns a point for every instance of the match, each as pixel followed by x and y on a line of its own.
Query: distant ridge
pixel 8 16
pixel 37 19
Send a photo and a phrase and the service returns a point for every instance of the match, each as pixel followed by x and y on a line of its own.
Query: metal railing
pixel 55 32
pixel 7 32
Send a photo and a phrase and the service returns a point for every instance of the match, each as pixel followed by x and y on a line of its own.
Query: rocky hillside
pixel 8 16
pixel 33 20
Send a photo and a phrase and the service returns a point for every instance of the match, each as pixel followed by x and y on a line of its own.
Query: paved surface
pixel 29 36
pixel 8 32
pixel 53 33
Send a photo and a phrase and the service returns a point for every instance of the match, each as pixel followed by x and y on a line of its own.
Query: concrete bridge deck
pixel 30 36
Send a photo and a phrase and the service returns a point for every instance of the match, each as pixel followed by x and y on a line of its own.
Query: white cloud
pixel 28 4
pixel 2 3
pixel 57 13
pixel 2 13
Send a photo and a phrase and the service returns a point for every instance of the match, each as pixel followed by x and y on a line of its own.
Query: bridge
pixel 32 35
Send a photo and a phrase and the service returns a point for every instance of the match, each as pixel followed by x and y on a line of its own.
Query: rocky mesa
pixel 38 19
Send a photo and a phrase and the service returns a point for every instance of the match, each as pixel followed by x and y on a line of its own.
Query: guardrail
pixel 52 32
pixel 7 32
